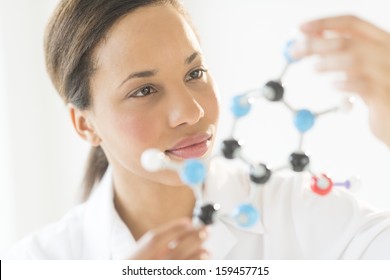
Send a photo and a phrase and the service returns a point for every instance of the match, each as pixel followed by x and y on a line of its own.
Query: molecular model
pixel 193 171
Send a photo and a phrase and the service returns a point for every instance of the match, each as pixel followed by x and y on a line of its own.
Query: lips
pixel 193 146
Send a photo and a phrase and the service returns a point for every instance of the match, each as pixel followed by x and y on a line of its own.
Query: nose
pixel 184 109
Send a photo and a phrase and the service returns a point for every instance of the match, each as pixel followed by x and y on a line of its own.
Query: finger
pixel 360 85
pixel 156 241
pixel 200 255
pixel 380 65
pixel 319 46
pixel 358 58
pixel 356 86
pixel 189 244
pixel 343 61
pixel 347 24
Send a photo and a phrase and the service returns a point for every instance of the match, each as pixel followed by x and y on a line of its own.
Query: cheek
pixel 126 132
pixel 126 137
pixel 138 132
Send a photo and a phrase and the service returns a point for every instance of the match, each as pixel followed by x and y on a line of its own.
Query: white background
pixel 42 159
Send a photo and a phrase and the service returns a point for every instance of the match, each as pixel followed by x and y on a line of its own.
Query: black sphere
pixel 260 174
pixel 299 161
pixel 207 213
pixel 230 148
pixel 277 91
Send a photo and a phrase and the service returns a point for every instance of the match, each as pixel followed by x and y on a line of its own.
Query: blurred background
pixel 42 159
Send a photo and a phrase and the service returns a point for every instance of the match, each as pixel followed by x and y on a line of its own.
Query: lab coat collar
pixel 231 188
pixel 222 239
pixel 105 234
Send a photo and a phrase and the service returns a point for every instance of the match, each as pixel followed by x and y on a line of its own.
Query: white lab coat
pixel 295 224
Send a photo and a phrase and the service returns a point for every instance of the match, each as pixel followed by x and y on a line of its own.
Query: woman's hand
pixel 177 240
pixel 361 51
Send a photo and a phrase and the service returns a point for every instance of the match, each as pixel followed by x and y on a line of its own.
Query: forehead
pixel 146 37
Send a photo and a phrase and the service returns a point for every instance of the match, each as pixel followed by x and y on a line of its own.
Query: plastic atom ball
pixel 321 185
pixel 304 120
pixel 273 91
pixel 240 106
pixel 347 103
pixel 152 160
pixel 287 52
pixel 260 173
pixel 246 215
pixel 208 213
pixel 231 148
pixel 355 184
pixel 193 172
pixel 299 161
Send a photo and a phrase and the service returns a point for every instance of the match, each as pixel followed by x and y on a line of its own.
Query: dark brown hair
pixel 75 29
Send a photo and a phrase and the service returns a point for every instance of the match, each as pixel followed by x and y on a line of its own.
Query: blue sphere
pixel 304 120
pixel 193 172
pixel 287 53
pixel 238 107
pixel 246 215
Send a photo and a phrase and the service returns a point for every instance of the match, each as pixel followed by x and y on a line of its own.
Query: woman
pixel 134 76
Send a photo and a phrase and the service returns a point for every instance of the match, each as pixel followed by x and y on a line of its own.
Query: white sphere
pixel 259 170
pixel 153 160
pixel 323 183
pixel 355 184
pixel 347 103
pixel 268 92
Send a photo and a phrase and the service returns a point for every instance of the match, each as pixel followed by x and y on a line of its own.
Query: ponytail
pixel 97 165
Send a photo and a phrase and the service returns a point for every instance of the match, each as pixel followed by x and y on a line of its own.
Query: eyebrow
pixel 151 73
pixel 191 58
pixel 141 74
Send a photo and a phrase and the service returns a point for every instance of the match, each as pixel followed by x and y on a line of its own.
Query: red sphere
pixel 321 185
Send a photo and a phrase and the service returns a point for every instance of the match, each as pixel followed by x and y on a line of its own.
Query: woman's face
pixel 151 89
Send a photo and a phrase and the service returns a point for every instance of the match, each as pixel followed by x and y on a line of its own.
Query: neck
pixel 144 205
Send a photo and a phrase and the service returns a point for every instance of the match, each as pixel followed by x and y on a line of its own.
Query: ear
pixel 83 125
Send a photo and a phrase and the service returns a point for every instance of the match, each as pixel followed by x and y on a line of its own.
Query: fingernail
pixel 202 234
pixel 172 245
pixel 204 256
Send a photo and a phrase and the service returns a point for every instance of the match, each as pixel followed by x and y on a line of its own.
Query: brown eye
pixel 144 91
